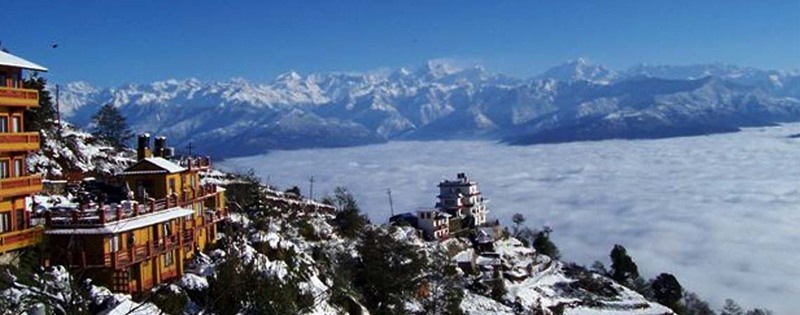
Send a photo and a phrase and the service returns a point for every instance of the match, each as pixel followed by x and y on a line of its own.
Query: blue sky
pixel 115 42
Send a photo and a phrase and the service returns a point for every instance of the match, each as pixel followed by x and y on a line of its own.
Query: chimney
pixel 160 147
pixel 143 149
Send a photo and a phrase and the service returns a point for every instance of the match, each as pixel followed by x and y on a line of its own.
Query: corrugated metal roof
pixel 127 224
pixel 10 60
pixel 162 163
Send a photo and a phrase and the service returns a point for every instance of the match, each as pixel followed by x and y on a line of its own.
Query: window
pixel 18 169
pixel 5 222
pixel 4 169
pixel 3 78
pixel 169 258
pixel 114 243
pixel 131 240
pixel 3 123
pixel 16 124
pixel 20 219
pixel 167 229
pixel 171 186
pixel 15 80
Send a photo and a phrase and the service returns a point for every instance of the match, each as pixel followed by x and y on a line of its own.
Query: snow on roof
pixel 128 224
pixel 10 60
pixel 159 162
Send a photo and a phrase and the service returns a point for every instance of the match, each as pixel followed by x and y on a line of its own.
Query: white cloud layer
pixel 721 212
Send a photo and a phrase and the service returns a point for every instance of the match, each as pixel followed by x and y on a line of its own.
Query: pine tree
pixel 543 244
pixel 668 291
pixel 693 305
pixel 731 308
pixel 110 125
pixel 43 116
pixel 349 219
pixel 389 273
pixel 623 269
pixel 518 220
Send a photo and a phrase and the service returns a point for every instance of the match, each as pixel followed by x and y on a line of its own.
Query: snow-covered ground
pixel 720 212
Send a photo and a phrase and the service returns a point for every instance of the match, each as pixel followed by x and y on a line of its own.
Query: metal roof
pixel 10 60
pixel 165 165
pixel 127 224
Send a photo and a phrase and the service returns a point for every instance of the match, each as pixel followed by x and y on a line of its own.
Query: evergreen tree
pixel 759 311
pixel 731 308
pixel 349 219
pixel 668 291
pixel 389 273
pixel 43 116
pixel 623 269
pixel 543 244
pixel 445 286
pixel 498 288
pixel 518 220
pixel 693 305
pixel 110 125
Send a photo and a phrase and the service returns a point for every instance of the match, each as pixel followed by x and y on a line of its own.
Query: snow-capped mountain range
pixel 573 101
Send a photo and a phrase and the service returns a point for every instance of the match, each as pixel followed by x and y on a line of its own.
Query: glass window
pixel 20 219
pixel 4 169
pixel 171 186
pixel 3 78
pixel 16 124
pixel 5 222
pixel 114 243
pixel 15 80
pixel 131 240
pixel 18 170
pixel 169 258
pixel 3 123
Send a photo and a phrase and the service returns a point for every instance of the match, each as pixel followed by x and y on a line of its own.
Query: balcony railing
pixel 196 163
pixel 19 141
pixel 19 239
pixel 142 252
pixel 18 186
pixel 18 97
pixel 89 217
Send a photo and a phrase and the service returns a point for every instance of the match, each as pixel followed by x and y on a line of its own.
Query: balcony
pixel 18 97
pixel 20 186
pixel 94 216
pixel 19 239
pixel 19 141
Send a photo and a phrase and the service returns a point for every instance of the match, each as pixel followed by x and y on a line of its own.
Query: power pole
pixel 391 205
pixel 189 147
pixel 311 187
pixel 58 106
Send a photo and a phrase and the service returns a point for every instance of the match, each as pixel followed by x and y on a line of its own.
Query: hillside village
pixel 87 228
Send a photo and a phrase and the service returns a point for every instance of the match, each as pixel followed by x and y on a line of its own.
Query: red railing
pixel 18 239
pixel 142 252
pixel 196 163
pixel 102 214
pixel 23 185
pixel 10 96
pixel 16 141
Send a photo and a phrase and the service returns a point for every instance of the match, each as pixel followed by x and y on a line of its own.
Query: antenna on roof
pixel 189 147
pixel 311 187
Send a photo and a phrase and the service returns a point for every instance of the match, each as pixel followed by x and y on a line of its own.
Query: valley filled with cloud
pixel 721 212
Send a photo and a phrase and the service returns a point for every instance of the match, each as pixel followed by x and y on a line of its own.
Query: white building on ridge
pixel 461 198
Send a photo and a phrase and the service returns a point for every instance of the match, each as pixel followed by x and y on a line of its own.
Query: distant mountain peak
pixel 289 76
pixel 437 69
pixel 580 69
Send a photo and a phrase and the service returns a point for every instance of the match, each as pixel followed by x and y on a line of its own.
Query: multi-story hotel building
pixel 16 184
pixel 140 243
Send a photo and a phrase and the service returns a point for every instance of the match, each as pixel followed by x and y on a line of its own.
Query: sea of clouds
pixel 720 212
